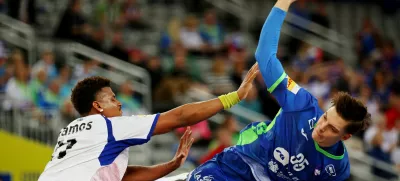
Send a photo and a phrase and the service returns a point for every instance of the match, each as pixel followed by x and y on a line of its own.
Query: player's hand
pixel 247 83
pixel 290 1
pixel 184 147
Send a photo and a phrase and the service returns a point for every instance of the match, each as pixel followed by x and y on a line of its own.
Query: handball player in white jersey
pixel 95 146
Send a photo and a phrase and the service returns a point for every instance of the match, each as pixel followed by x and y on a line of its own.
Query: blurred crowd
pixel 203 39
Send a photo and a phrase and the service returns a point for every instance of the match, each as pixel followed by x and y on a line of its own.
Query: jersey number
pixel 64 146
pixel 299 162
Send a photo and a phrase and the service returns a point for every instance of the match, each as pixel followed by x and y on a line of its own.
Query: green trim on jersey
pixel 319 149
pixel 251 134
pixel 277 82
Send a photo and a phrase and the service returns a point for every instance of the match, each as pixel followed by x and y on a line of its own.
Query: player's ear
pixel 96 105
pixel 346 137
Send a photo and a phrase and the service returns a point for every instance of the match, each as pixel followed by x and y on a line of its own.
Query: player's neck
pixel 332 149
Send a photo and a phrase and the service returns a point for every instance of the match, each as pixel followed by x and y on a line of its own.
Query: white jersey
pixel 96 148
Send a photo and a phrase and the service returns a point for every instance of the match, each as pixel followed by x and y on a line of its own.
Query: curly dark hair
pixel 353 111
pixel 85 91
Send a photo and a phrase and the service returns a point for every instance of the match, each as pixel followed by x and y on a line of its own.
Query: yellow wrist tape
pixel 229 100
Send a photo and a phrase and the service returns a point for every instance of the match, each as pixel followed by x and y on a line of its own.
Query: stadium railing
pixel 142 82
pixel 33 123
pixel 325 38
pixel 18 33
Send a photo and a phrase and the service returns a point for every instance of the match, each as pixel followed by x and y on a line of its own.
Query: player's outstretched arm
pixel 284 89
pixel 193 113
pixel 144 173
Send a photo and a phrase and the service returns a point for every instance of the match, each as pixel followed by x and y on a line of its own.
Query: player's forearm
pixel 187 115
pixel 269 37
pixel 269 65
pixel 142 173
pixel 193 113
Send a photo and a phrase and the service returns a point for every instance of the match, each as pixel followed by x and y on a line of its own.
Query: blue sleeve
pixel 289 95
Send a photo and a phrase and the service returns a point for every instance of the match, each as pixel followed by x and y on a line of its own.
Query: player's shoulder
pixel 337 165
pixel 82 124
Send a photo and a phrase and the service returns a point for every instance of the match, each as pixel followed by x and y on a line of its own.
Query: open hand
pixel 184 147
pixel 247 83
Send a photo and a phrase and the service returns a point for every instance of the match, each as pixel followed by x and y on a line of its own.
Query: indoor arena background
pixel 163 53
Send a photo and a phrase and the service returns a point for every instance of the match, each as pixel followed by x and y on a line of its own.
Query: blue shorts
pixel 207 172
pixel 225 166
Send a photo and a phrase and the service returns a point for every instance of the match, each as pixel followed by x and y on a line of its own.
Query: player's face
pixel 107 104
pixel 330 129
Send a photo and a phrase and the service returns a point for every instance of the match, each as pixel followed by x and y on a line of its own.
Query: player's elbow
pixel 263 57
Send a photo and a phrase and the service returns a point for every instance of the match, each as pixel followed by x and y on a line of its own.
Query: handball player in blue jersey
pixel 302 142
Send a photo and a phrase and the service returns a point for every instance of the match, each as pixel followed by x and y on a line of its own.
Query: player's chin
pixel 315 137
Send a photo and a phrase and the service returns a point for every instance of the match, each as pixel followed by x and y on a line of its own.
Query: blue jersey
pixel 282 149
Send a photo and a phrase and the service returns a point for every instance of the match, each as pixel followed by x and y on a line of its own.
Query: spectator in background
pixel 380 143
pixel 50 99
pixel 17 93
pixel 191 37
pixel 23 10
pixel 171 36
pixel 238 72
pixel 218 79
pixel 72 23
pixel 380 87
pixel 393 112
pixel 133 15
pixel 211 31
pixel 223 140
pixel 316 80
pixel 46 64
pixel 68 113
pixel 85 70
pixel 38 84
pixel 230 125
pixel 118 50
pixel 108 13
pixel 130 105
pixel 367 70
pixel 183 65
pixel 66 82
pixel 367 98
pixel 137 57
pixel 155 71
pixel 306 56
pixel 6 71
pixel 368 39
pixel 391 58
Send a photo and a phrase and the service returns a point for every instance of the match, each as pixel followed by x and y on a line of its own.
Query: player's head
pixel 346 117
pixel 93 95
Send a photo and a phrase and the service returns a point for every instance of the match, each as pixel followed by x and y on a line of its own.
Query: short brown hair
pixel 84 93
pixel 352 111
